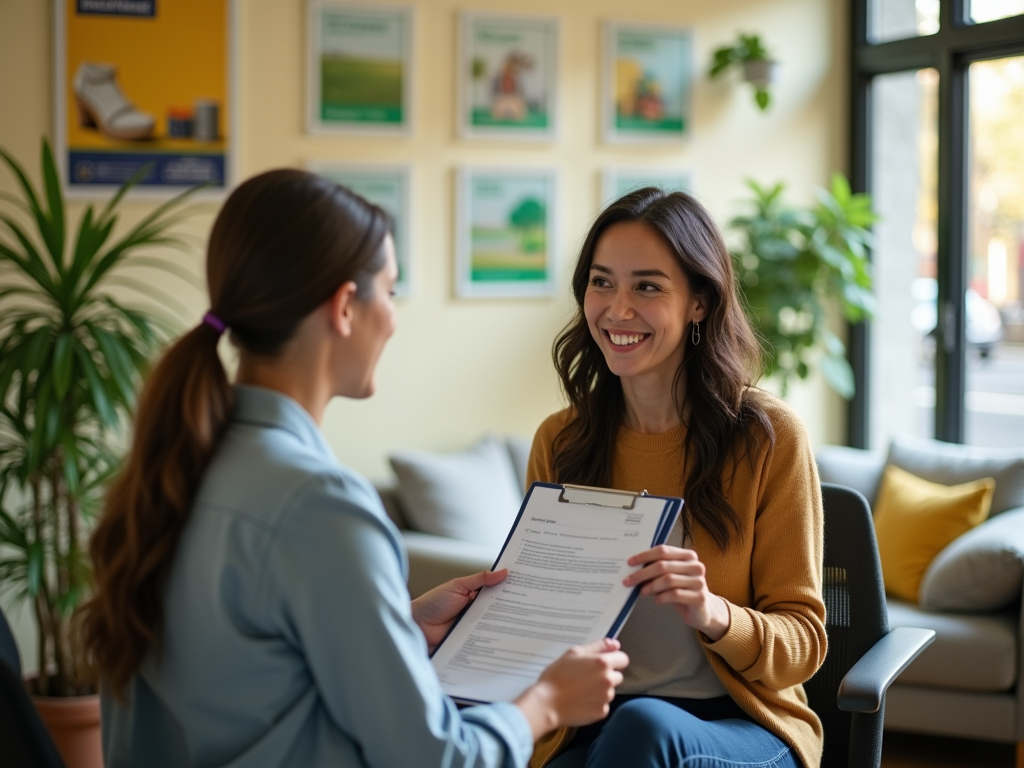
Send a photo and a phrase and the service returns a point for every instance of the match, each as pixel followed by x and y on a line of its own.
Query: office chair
pixel 24 741
pixel 864 656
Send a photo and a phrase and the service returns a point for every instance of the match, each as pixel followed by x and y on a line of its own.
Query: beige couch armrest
pixel 434 560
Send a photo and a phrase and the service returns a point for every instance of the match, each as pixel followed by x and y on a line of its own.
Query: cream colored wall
pixel 458 368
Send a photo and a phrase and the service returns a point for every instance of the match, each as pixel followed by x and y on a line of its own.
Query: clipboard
pixel 544 551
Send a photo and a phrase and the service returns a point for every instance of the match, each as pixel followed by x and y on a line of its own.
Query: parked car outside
pixel 984 324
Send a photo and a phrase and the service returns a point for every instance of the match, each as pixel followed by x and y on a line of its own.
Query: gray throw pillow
pixel 852 467
pixel 981 570
pixel 952 464
pixel 472 496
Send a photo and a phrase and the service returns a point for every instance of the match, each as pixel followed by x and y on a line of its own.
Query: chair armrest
pixel 867 681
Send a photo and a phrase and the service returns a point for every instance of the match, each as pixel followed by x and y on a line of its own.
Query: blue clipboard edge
pixel 669 515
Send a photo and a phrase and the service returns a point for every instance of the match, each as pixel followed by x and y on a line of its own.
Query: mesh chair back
pixel 855 620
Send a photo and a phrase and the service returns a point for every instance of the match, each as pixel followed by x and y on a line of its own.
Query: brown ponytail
pixel 283 243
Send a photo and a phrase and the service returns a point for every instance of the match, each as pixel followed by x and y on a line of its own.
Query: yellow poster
pixel 144 83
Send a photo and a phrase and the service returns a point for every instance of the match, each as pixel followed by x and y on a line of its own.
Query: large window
pixel 938 139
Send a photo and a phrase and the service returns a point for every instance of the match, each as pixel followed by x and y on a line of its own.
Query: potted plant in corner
pixel 795 267
pixel 750 55
pixel 71 354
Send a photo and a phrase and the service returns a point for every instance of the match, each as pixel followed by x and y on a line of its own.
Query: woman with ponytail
pixel 250 605
pixel 659 365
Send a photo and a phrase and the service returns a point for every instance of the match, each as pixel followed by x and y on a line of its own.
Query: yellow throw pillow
pixel 916 519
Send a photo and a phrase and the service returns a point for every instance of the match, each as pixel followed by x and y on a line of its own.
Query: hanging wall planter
pixel 750 55
pixel 760 73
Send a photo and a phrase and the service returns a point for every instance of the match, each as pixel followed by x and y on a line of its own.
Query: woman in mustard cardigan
pixel 659 365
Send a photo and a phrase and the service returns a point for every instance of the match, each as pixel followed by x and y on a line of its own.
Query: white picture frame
pixel 507 76
pixel 388 186
pixel 647 80
pixel 618 180
pixel 360 69
pixel 496 255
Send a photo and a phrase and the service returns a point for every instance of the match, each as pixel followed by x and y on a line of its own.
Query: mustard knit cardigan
pixel 770 574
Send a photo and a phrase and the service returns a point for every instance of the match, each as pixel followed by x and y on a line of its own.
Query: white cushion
pixel 473 496
pixel 982 570
pixel 952 464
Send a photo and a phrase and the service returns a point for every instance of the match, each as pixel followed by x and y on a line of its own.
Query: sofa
pixel 965 684
pixel 968 682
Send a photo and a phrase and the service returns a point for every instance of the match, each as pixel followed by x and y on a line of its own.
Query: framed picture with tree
pixel 505 232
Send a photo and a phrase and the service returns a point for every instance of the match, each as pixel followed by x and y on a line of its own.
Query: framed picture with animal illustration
pixel 505 232
pixel 507 76
pixel 130 98
pixel 647 80
pixel 359 68
pixel 389 187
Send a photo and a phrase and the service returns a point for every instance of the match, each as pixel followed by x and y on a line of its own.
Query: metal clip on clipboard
pixel 602 497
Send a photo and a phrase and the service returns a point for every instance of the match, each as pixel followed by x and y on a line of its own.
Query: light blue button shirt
pixel 288 637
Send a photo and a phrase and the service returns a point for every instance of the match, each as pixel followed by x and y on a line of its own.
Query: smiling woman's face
pixel 639 304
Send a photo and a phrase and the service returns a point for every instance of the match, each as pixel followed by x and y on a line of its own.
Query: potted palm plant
pixel 795 266
pixel 71 354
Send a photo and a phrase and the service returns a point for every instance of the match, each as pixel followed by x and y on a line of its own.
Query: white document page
pixel 566 564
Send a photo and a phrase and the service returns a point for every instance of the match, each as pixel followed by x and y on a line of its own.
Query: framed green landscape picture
pixel 648 76
pixel 616 182
pixel 389 187
pixel 505 232
pixel 507 76
pixel 360 68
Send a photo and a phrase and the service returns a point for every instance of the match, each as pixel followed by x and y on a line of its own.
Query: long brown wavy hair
pixel 282 244
pixel 718 410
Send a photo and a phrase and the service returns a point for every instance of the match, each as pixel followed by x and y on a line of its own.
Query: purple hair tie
pixel 214 322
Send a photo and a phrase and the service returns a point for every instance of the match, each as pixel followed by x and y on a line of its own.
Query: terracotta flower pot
pixel 74 724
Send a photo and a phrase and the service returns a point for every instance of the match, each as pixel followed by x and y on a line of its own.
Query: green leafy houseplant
pixel 793 265
pixel 749 54
pixel 71 355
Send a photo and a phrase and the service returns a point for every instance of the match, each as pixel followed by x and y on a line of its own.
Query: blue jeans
pixel 651 732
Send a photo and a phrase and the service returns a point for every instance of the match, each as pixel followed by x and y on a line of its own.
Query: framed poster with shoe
pixel 144 88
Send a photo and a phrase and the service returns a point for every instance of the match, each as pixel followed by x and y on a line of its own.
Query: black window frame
pixel 958 43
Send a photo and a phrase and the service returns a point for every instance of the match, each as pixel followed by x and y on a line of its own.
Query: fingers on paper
pixel 663 552
pixel 671 586
pixel 474 581
pixel 689 567
pixel 604 645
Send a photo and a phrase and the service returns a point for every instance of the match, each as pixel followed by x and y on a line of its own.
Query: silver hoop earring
pixel 695 333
